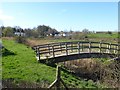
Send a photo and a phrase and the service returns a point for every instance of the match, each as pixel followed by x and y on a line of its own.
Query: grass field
pixel 101 35
pixel 97 37
pixel 20 69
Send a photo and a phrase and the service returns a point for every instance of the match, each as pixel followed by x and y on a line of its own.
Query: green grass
pixel 102 35
pixel 21 65
pixel 92 37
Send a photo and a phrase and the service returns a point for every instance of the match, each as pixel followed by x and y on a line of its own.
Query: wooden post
pixel 71 47
pixel 58 78
pixel 78 47
pixel 61 47
pixel 66 48
pixel 107 50
pixel 82 47
pixel 114 49
pixel 89 47
pixel 109 47
pixel 118 51
pixel 53 51
pixel 49 48
pixel 100 46
pixel 38 51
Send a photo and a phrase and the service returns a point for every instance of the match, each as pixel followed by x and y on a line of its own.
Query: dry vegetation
pixel 33 42
pixel 107 72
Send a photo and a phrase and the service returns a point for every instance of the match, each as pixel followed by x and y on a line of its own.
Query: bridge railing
pixel 68 48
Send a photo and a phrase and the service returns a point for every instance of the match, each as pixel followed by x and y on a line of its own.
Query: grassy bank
pixel 20 68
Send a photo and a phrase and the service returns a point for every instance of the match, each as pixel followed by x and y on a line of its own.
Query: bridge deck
pixel 47 56
pixel 64 49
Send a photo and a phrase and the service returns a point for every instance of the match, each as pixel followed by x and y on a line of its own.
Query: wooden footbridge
pixel 59 52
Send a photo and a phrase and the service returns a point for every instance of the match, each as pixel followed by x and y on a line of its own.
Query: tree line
pixel 40 31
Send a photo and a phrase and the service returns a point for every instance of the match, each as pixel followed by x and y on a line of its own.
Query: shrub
pixel 21 39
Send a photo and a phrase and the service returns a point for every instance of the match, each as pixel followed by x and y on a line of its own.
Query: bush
pixel 20 39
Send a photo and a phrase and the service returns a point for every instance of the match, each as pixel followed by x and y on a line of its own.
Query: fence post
pixel 38 52
pixel 58 78
pixel 100 46
pixel 78 47
pixel 89 47
pixel 53 51
pixel 66 48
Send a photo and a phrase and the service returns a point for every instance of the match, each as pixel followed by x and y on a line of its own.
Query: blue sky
pixel 95 16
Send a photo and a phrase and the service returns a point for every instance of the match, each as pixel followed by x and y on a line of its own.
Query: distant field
pixel 97 37
pixel 20 69
pixel 102 35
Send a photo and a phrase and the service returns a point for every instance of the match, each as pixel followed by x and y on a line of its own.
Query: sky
pixel 63 16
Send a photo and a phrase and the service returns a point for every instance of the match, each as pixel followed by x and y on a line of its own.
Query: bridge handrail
pixel 76 45
pixel 43 45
